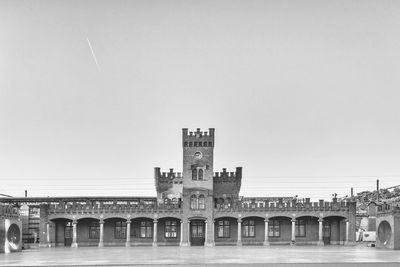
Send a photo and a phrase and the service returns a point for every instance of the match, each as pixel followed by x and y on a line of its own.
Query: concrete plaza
pixel 204 256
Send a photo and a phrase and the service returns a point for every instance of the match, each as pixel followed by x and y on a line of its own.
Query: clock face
pixel 198 155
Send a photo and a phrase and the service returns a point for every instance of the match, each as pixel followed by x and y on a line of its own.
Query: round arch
pixel 169 217
pixel 197 218
pixel 227 216
pixel 59 218
pixel 253 216
pixel 88 218
pixel 307 216
pixel 108 218
pixel 141 218
pixel 331 216
pixel 275 217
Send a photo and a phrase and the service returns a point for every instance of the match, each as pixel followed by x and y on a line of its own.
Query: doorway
pixel 197 235
pixel 68 234
pixel 327 232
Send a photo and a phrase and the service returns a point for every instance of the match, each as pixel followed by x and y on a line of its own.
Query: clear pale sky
pixel 304 95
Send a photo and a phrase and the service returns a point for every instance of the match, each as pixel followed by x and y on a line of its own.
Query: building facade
pixel 195 207
pixel 10 229
pixel 388 226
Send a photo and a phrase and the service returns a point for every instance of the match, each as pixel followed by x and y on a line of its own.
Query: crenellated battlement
pixel 8 211
pixel 228 176
pixel 164 180
pixel 198 138
pixel 171 175
pixel 227 182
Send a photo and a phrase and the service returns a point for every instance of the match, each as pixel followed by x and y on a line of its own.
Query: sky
pixel 304 95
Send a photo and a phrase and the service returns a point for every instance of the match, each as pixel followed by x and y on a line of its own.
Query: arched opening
pixel 253 230
pixel 14 236
pixel 384 232
pixel 88 232
pixel 142 230
pixel 194 174
pixel 307 230
pixel 194 202
pixel 200 174
pixel 334 230
pixel 280 230
pixel 228 202
pixel 202 203
pixel 197 232
pixel 115 230
pixel 225 231
pixel 169 231
pixel 61 232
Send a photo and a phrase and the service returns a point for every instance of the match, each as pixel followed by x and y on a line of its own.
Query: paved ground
pixel 204 256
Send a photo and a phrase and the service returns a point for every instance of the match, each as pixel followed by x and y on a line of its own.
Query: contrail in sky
pixel 93 54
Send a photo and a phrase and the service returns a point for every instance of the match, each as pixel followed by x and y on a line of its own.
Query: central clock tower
pixel 198 167
pixel 198 159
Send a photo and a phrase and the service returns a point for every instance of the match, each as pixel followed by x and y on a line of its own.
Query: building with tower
pixel 195 207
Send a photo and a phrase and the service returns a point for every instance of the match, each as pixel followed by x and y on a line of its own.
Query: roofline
pixel 78 198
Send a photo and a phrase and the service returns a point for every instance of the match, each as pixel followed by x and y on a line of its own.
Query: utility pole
pixel 352 195
pixel 377 190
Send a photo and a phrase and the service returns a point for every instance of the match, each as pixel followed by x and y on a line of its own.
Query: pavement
pixel 205 256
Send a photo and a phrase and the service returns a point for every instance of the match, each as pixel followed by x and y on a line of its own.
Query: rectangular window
pixel 274 228
pixel 224 228
pixel 94 230
pixel 120 230
pixel 300 228
pixel 146 229
pixel 195 143
pixel 249 228
pixel 171 229
pixel 205 144
pixel 209 143
pixel 327 229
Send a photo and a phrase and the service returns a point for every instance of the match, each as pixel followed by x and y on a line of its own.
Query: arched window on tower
pixel 201 174
pixel 202 202
pixel 193 202
pixel 228 202
pixel 194 174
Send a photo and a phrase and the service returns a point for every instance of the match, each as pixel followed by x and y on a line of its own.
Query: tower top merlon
pixel 198 138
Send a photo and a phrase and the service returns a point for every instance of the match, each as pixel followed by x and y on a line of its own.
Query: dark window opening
pixel 171 229
pixel 202 204
pixel 224 229
pixel 94 230
pixel 120 230
pixel 146 229
pixel 249 228
pixel 300 228
pixel 274 228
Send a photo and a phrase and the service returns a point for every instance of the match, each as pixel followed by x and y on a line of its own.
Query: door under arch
pixel 197 233
pixel 68 234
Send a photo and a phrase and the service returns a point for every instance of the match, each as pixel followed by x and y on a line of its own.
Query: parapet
pixel 198 138
pixel 385 208
pixel 228 177
pixel 7 211
pixel 164 179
